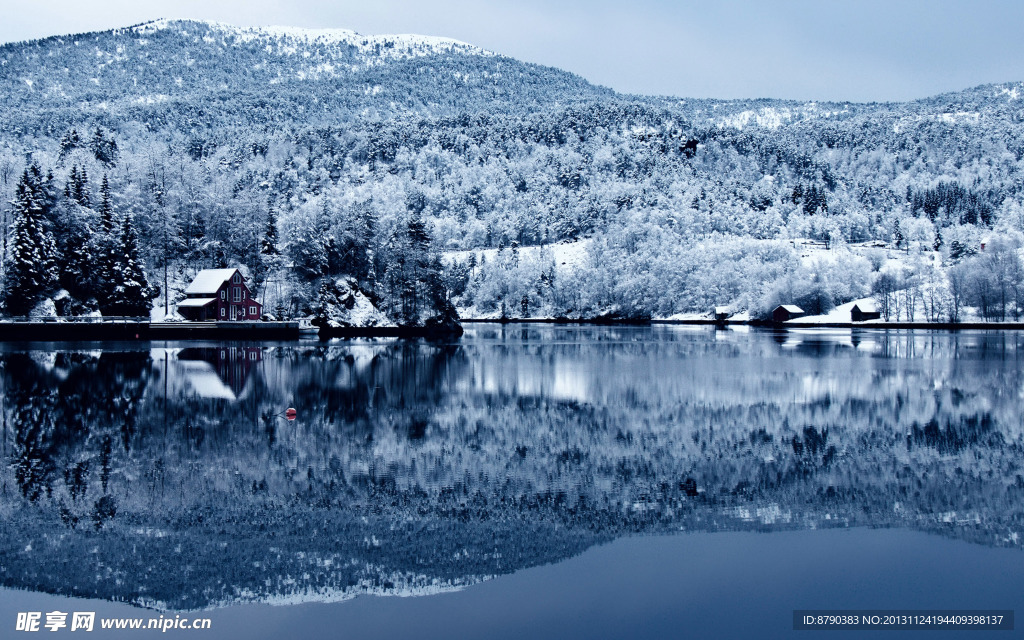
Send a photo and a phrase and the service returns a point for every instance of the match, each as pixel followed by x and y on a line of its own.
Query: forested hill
pixel 205 78
pixel 300 154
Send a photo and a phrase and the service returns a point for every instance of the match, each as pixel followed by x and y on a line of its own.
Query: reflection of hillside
pixel 414 466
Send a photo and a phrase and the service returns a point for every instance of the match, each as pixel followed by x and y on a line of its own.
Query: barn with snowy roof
pixel 864 310
pixel 219 294
pixel 785 312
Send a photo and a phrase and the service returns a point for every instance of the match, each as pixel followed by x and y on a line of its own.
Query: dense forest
pixel 133 158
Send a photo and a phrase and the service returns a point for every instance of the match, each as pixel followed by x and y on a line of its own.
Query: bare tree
pixel 911 293
pixel 885 289
pixel 958 283
pixel 934 295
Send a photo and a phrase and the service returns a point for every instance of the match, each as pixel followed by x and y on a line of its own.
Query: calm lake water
pixel 523 481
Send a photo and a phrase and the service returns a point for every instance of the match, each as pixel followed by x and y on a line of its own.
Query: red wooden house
pixel 219 294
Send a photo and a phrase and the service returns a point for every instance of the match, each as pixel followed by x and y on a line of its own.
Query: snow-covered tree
pixel 129 290
pixel 31 268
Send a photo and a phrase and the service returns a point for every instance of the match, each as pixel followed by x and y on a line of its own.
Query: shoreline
pixel 764 324
pixel 439 333
pixel 56 331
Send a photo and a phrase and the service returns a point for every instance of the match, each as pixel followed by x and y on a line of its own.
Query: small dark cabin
pixel 864 311
pixel 785 312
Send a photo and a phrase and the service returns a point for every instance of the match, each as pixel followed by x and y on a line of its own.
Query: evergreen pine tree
pixel 106 208
pixel 413 283
pixel 32 265
pixel 77 269
pixel 104 250
pixel 69 186
pixel 68 143
pixel 415 293
pixel 268 257
pixel 368 238
pixel 268 245
pixel 103 148
pixel 81 193
pixel 130 293
pixel 309 251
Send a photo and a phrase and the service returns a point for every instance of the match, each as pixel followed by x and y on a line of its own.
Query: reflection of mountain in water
pixel 416 467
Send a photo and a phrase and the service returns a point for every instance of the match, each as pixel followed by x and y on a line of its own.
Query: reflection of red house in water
pixel 219 294
pixel 219 372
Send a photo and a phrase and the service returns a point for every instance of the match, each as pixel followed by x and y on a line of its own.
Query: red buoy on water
pixel 290 413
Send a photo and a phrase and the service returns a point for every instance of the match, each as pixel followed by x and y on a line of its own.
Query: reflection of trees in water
pixel 350 393
pixel 59 410
pixel 405 453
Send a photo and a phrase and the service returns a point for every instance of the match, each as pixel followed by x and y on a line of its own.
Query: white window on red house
pixel 224 295
pixel 222 312
pixel 236 294
pixel 252 311
pixel 237 278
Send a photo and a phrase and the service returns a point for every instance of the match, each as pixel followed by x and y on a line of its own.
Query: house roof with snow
pixel 196 302
pixel 792 308
pixel 865 307
pixel 209 281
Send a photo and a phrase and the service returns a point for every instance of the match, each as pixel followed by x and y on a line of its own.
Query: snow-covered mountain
pixel 346 138
pixel 136 71
pixel 150 62
pixel 337 43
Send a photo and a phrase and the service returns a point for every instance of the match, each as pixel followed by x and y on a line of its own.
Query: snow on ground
pixel 157 314
pixel 840 313
pixel 394 46
pixel 811 251
pixel 567 255
pixel 768 117
pixel 678 317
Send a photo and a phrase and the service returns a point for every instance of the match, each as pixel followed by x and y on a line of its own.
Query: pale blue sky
pixel 864 50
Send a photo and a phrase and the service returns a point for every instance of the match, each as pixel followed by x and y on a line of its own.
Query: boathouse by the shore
pixel 864 311
pixel 219 294
pixel 785 312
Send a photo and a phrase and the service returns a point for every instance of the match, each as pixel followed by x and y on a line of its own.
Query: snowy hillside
pixel 312 155
pixel 140 71
pixel 307 43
